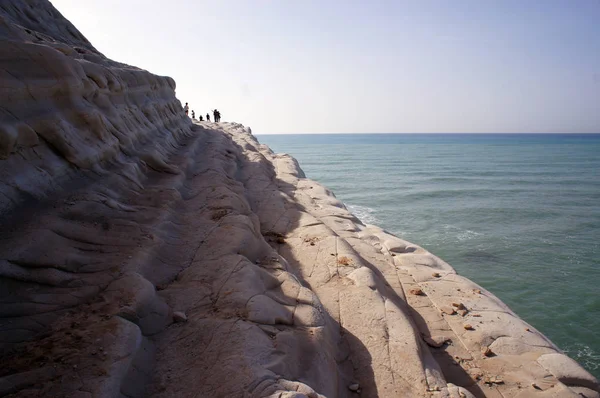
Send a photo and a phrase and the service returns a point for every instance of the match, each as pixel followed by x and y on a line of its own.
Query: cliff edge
pixel 143 255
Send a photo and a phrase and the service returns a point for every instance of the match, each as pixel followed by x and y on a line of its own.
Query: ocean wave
pixel 585 355
pixel 467 234
pixel 460 234
pixel 364 213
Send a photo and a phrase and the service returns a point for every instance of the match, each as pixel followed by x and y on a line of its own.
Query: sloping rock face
pixel 67 108
pixel 142 255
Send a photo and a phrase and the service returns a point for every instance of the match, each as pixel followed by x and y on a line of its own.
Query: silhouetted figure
pixel 186 108
pixel 217 115
pixel 193 115
pixel 200 118
pixel 207 117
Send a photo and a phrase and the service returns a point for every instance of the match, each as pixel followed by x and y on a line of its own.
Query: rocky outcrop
pixel 68 111
pixel 143 255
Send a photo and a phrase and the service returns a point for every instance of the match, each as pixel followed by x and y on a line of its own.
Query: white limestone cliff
pixel 142 255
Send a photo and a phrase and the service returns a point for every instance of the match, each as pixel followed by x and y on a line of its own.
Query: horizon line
pixel 431 133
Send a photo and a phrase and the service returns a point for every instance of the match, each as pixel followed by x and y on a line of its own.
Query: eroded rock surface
pixel 142 255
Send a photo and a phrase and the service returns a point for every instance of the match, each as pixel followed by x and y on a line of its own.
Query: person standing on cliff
pixel 216 116
pixel 193 115
pixel 207 117
pixel 200 118
pixel 186 108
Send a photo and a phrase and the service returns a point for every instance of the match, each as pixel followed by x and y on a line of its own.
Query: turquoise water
pixel 518 214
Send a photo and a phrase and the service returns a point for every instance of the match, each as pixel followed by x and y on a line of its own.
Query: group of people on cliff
pixel 216 114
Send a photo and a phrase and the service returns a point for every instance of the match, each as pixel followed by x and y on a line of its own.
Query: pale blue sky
pixel 365 66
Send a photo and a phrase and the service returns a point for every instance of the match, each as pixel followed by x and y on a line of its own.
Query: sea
pixel 518 214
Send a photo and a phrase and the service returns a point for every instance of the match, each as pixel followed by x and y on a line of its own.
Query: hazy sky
pixel 283 66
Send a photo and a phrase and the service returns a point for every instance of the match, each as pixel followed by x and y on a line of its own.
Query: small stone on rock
pixel 448 310
pixel 493 380
pixel 436 275
pixel 353 387
pixel 179 316
pixel 459 306
pixel 416 292
pixel 487 351
pixel 468 326
pixel 476 373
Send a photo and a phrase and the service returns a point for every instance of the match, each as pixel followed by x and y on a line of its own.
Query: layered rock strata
pixel 142 255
